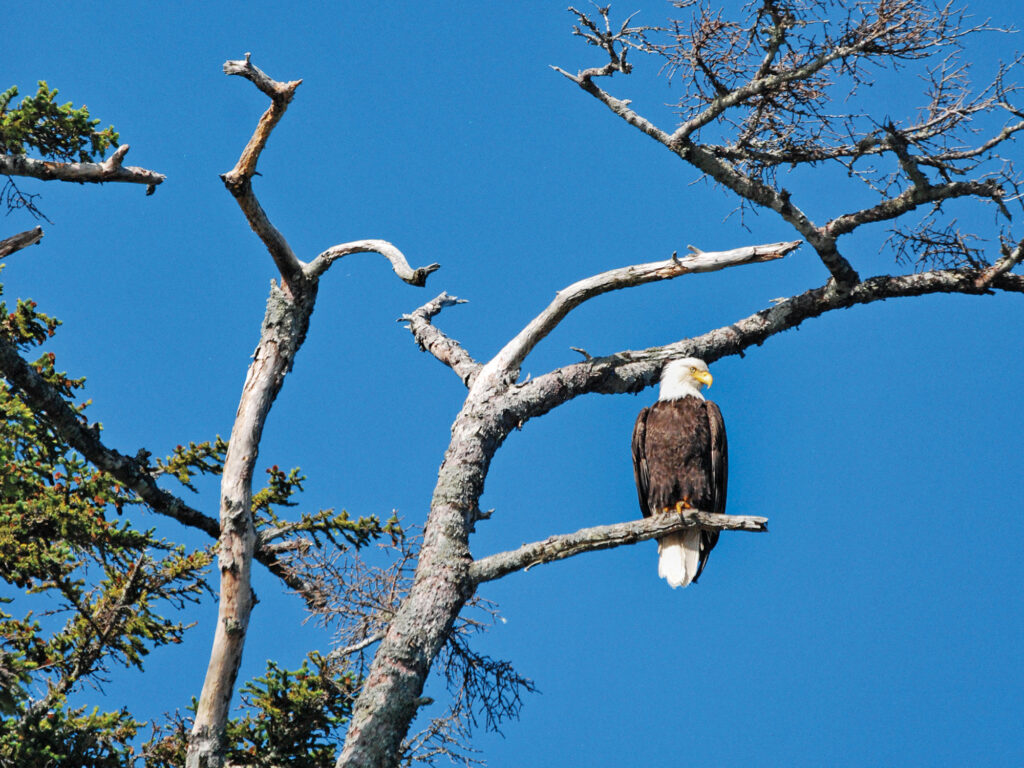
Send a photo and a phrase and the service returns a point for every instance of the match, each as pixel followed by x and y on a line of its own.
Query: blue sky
pixel 878 623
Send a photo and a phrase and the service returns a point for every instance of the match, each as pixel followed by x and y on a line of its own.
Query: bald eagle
pixel 680 461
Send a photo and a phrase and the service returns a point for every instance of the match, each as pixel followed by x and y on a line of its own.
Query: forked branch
pixel 631 371
pixel 765 81
pixel 282 334
pixel 431 339
pixel 1003 265
pixel 766 86
pixel 239 179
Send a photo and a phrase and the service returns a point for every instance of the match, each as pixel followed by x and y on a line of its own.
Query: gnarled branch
pixel 910 199
pixel 774 107
pixel 282 334
pixel 605 537
pixel 110 169
pixel 1003 265
pixel 782 117
pixel 431 339
pixel 239 179
pixel 399 264
pixel 632 371
pixel 728 175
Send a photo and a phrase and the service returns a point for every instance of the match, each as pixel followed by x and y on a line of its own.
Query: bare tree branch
pixel 619 106
pixel 433 340
pixel 910 199
pixel 282 334
pixel 239 179
pixel 21 240
pixel 423 622
pixel 507 361
pixel 1008 261
pixel 767 80
pixel 935 245
pixel 272 88
pixel 730 176
pixel 445 577
pixel 110 169
pixel 605 537
pixel 284 329
pixel 764 85
pixel 443 742
pixel 417 277
pixel 632 371
pixel 362 645
pixel 615 42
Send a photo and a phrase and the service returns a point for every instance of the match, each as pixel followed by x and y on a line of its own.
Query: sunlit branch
pixel 239 179
pixel 110 170
pixel 632 371
pixel 431 339
pixel 731 177
pixel 1003 265
pixel 605 537
pixel 508 360
pixel 910 199
pixel 399 264
pixel 362 645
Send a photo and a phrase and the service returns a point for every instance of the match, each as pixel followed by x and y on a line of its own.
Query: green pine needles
pixel 57 132
pixel 95 592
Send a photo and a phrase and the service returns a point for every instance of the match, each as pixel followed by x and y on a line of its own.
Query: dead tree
pixel 289 308
pixel 762 85
pixel 760 88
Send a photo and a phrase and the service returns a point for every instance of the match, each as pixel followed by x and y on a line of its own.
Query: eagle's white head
pixel 684 377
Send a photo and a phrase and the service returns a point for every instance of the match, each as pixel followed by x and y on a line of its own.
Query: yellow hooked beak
pixel 703 377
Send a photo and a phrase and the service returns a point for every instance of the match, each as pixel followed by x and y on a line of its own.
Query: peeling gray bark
pixel 443 582
pixel 284 328
pixel 110 169
pixel 446 576
pixel 391 692
pixel 632 371
pixel 433 340
pixel 606 537
pixel 283 331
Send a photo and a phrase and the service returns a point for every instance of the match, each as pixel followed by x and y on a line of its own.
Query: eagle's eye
pixel 693 369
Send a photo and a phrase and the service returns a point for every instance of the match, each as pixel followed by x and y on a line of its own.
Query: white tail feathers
pixel 678 557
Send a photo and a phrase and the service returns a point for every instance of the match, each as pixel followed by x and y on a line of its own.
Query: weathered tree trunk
pixel 392 691
pixel 284 329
